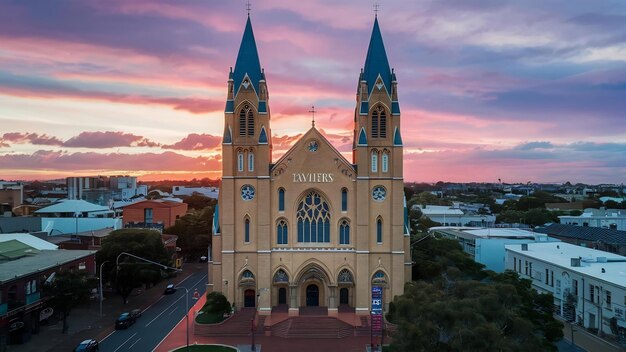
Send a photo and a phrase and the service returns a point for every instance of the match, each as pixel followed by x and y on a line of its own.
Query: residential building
pixel 74 216
pixel 103 190
pixel 588 285
pixel 23 272
pixel 613 241
pixel 614 219
pixel 487 245
pixel 11 194
pixel 211 192
pixel 311 229
pixel 455 216
pixel 156 213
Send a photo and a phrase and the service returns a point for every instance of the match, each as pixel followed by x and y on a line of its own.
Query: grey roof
pixel 585 233
pixel 42 261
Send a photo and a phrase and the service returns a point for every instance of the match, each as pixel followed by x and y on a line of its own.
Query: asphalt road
pixel 157 320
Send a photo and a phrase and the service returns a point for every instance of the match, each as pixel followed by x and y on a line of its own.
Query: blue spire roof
pixel 247 60
pixel 263 136
pixel 376 62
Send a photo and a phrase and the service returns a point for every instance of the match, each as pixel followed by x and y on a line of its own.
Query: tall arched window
pixel 246 229
pixel 313 219
pixel 240 161
pixel 344 232
pixel 282 232
pixel 246 121
pixel 374 161
pixel 379 122
pixel 250 161
pixel 344 199
pixel 281 199
pixel 385 161
pixel 379 230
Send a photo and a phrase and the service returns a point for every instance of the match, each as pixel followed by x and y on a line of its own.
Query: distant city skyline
pixel 517 91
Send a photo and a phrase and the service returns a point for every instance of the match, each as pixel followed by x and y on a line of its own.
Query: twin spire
pixel 248 63
pixel 376 63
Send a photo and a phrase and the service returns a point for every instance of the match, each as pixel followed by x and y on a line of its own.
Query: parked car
pixel 124 321
pixel 135 313
pixel 87 346
pixel 169 289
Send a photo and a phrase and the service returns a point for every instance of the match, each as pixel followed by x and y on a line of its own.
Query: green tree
pixel 510 217
pixel 131 272
pixel 198 201
pixel 68 289
pixel 538 217
pixel 194 232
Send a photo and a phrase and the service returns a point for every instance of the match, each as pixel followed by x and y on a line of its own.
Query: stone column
pixel 332 304
pixel 293 299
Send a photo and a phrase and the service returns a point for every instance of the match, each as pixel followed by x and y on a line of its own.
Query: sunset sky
pixel 520 91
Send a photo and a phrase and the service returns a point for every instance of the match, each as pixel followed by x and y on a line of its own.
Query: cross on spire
pixel 376 6
pixel 248 7
pixel 312 111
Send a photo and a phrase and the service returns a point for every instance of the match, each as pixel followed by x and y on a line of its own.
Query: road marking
pixel 162 296
pixel 125 342
pixel 194 285
pixel 106 337
pixel 168 334
pixel 165 310
pixel 131 346
pixel 173 310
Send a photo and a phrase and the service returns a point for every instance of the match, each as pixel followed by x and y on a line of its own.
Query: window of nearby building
pixel 374 161
pixel 344 232
pixel 250 161
pixel 379 230
pixel 514 264
pixel 147 215
pixel 597 295
pixel 551 278
pixel 313 219
pixel 344 199
pixel 526 267
pixel 530 269
pixel 575 287
pixel 608 298
pixel 240 162
pixel 247 230
pixel 519 265
pixel 282 232
pixel 385 161
pixel 591 293
pixel 281 199
pixel 547 276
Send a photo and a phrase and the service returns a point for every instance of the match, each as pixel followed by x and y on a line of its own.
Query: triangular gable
pixel 313 132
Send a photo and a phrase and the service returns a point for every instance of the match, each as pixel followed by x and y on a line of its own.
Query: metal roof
pixel 376 62
pixel 27 239
pixel 585 233
pixel 248 62
pixel 72 206
pixel 44 260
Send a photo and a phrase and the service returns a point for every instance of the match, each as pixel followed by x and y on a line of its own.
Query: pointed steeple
pixel 376 62
pixel 248 62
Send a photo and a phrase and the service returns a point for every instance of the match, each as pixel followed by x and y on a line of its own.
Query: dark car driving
pixel 124 321
pixel 169 289
pixel 87 346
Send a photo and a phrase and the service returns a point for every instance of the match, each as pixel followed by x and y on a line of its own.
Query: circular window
pixel 379 193
pixel 247 192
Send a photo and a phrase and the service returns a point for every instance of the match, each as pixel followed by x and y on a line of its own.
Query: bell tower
pixel 243 243
pixel 377 152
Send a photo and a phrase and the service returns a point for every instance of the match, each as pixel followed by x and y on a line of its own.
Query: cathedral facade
pixel 311 228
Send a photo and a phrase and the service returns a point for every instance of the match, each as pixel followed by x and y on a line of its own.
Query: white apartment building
pixel 454 216
pixel 614 219
pixel 211 192
pixel 588 285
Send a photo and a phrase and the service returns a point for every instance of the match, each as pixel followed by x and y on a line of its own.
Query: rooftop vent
pixel 524 246
pixel 576 262
pixel 603 271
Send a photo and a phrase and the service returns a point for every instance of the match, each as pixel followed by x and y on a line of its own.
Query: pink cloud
pixel 196 141
pixel 29 138
pixel 107 139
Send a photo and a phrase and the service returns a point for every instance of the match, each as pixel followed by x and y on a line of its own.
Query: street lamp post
pixel 253 344
pixel 186 313
pixel 101 295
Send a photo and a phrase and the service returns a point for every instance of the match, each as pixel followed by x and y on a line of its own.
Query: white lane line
pixel 173 310
pixel 120 346
pixel 109 335
pixel 169 333
pixel 164 310
pixel 131 346
pixel 197 282
pixel 163 296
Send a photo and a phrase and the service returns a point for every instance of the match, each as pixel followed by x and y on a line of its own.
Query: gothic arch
pixel 312 267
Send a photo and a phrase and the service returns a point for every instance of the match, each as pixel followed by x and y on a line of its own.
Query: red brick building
pixel 151 213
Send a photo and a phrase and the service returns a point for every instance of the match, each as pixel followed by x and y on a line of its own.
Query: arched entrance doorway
pixel 282 295
pixel 312 296
pixel 344 296
pixel 249 300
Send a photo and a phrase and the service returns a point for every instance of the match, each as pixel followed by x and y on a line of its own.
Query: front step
pixel 312 328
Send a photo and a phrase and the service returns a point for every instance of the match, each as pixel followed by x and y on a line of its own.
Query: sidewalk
pixel 85 321
pixel 588 341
